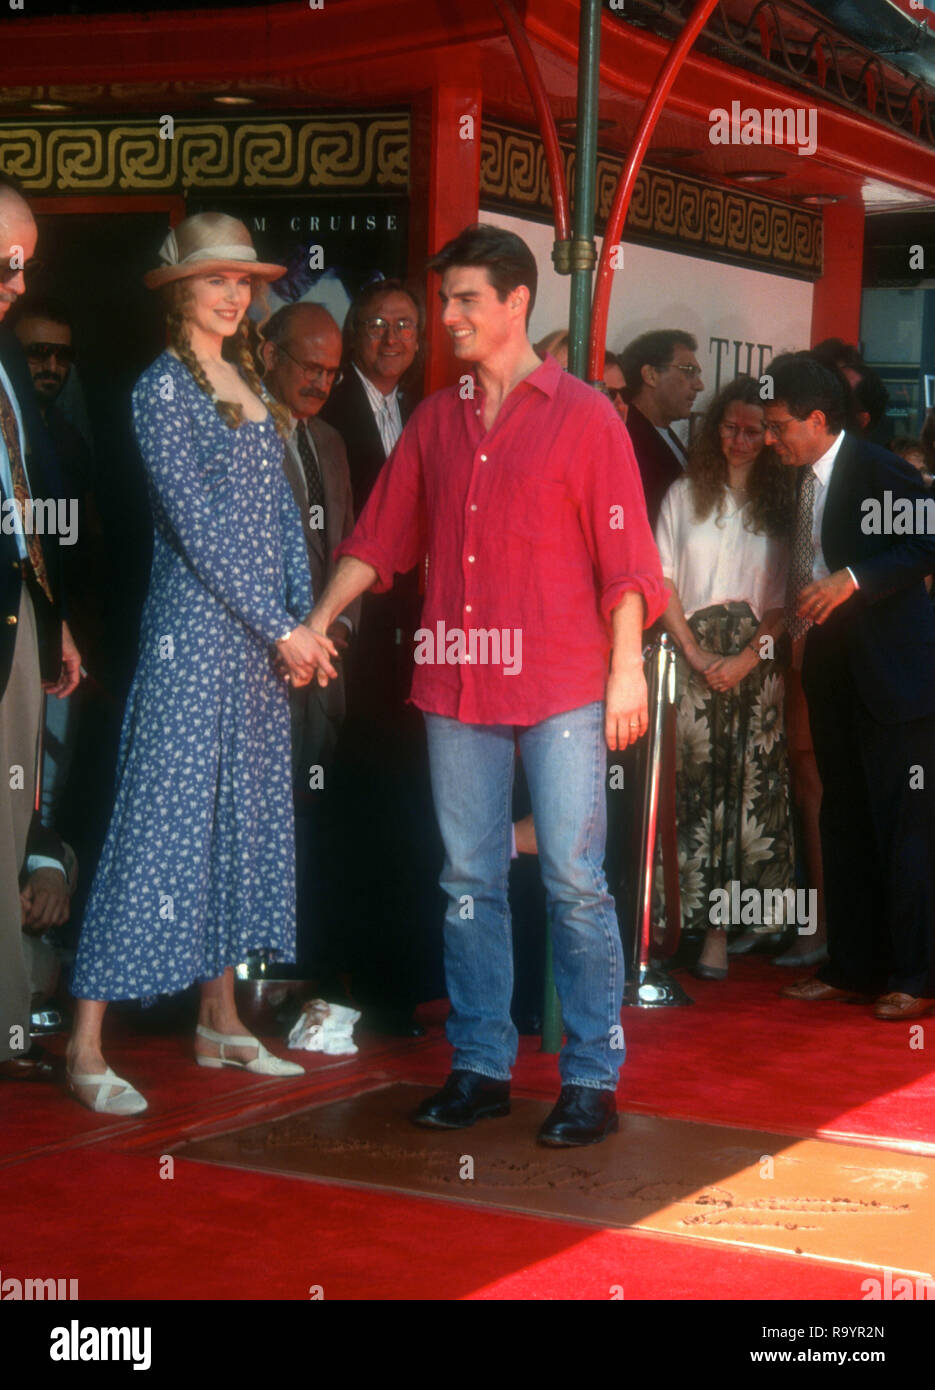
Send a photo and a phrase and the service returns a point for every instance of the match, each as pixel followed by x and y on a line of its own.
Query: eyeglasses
pixel 9 271
pixel 739 432
pixel 44 352
pixel 379 327
pixel 780 426
pixel 314 369
pixel 689 368
pixel 614 392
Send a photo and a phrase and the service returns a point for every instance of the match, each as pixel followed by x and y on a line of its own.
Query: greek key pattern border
pixel 341 153
pixel 667 209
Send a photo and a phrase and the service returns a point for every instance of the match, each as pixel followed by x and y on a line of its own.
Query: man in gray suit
pixel 302 357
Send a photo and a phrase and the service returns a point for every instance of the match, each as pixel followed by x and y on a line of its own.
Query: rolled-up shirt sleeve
pixel 391 532
pixel 612 509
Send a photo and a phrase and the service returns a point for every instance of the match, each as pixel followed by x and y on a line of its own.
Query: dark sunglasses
pixel 9 271
pixel 44 352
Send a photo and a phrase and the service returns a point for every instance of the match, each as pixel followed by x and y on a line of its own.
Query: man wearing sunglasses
pixel 663 378
pixel 45 335
pixel 36 649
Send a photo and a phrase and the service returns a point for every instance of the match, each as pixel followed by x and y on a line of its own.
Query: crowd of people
pixel 388 645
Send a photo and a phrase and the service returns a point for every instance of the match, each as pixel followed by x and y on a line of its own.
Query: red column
pixel 444 184
pixel 836 302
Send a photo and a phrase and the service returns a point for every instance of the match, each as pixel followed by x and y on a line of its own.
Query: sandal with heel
pixel 113 1095
pixel 263 1064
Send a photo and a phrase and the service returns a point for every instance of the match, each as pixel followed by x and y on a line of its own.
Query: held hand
pixel 70 674
pixel 699 659
pixel 45 901
pixel 317 624
pixel 340 635
pixel 817 601
pixel 626 716
pixel 728 671
pixel 303 653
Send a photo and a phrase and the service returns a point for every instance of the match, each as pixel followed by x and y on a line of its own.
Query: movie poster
pixel 331 248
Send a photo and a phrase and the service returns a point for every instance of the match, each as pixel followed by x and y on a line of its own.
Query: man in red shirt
pixel 521 486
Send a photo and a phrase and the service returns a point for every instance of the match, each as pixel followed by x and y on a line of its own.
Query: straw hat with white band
pixel 205 244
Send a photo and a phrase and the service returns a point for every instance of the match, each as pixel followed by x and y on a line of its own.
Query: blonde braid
pixel 245 352
pixel 230 412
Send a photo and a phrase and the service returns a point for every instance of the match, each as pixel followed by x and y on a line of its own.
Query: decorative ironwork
pixel 352 153
pixel 790 43
pixel 668 209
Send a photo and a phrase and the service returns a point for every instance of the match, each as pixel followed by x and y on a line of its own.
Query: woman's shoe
pixel 263 1064
pixel 709 972
pixel 126 1101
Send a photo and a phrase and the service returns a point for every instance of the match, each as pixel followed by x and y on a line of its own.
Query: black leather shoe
pixel 35 1065
pixel 582 1116
pixel 465 1097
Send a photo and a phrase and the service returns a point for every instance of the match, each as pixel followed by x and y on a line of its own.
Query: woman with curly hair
pixel 198 865
pixel 723 535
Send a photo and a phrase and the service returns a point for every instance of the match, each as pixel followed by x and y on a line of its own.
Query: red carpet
pixel 739 1056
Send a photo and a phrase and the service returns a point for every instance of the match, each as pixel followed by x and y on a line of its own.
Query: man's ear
pixel 267 357
pixel 863 419
pixel 648 374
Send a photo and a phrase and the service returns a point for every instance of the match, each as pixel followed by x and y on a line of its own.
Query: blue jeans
pixel 472 779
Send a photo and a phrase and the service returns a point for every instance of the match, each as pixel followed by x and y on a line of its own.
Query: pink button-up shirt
pixel 534 531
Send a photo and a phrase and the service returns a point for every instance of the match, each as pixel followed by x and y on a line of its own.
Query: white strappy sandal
pixel 113 1095
pixel 263 1064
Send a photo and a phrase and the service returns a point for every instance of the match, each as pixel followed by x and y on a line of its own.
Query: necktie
pixel 10 432
pixel 313 482
pixel 800 568
pixel 387 423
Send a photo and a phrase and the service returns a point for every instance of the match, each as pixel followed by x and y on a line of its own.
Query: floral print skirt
pixel 733 807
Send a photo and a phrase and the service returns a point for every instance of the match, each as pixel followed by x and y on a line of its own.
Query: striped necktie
pixel 803 555
pixel 10 432
pixel 310 467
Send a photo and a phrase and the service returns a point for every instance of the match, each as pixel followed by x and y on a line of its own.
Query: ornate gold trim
pixel 668 209
pixel 340 153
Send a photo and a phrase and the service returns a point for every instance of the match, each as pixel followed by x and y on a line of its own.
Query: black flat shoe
pixel 465 1097
pixel 582 1116
pixel 709 972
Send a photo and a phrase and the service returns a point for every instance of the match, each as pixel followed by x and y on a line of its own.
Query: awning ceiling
pixel 358 53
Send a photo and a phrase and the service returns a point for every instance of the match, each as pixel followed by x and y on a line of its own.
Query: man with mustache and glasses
pixel 302 356
pixel 36 648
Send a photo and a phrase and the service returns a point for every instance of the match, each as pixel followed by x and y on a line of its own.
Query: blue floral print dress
pixel 198 867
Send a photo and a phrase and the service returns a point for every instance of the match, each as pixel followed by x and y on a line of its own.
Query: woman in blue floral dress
pixel 723 537
pixel 198 865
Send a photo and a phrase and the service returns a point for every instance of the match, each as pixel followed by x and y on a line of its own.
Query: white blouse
pixel 718 560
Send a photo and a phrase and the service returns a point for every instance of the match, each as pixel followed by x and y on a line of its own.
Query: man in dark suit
pixel 663 378
pixel 391 839
pixel 864 629
pixel 302 357
pixel 36 650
